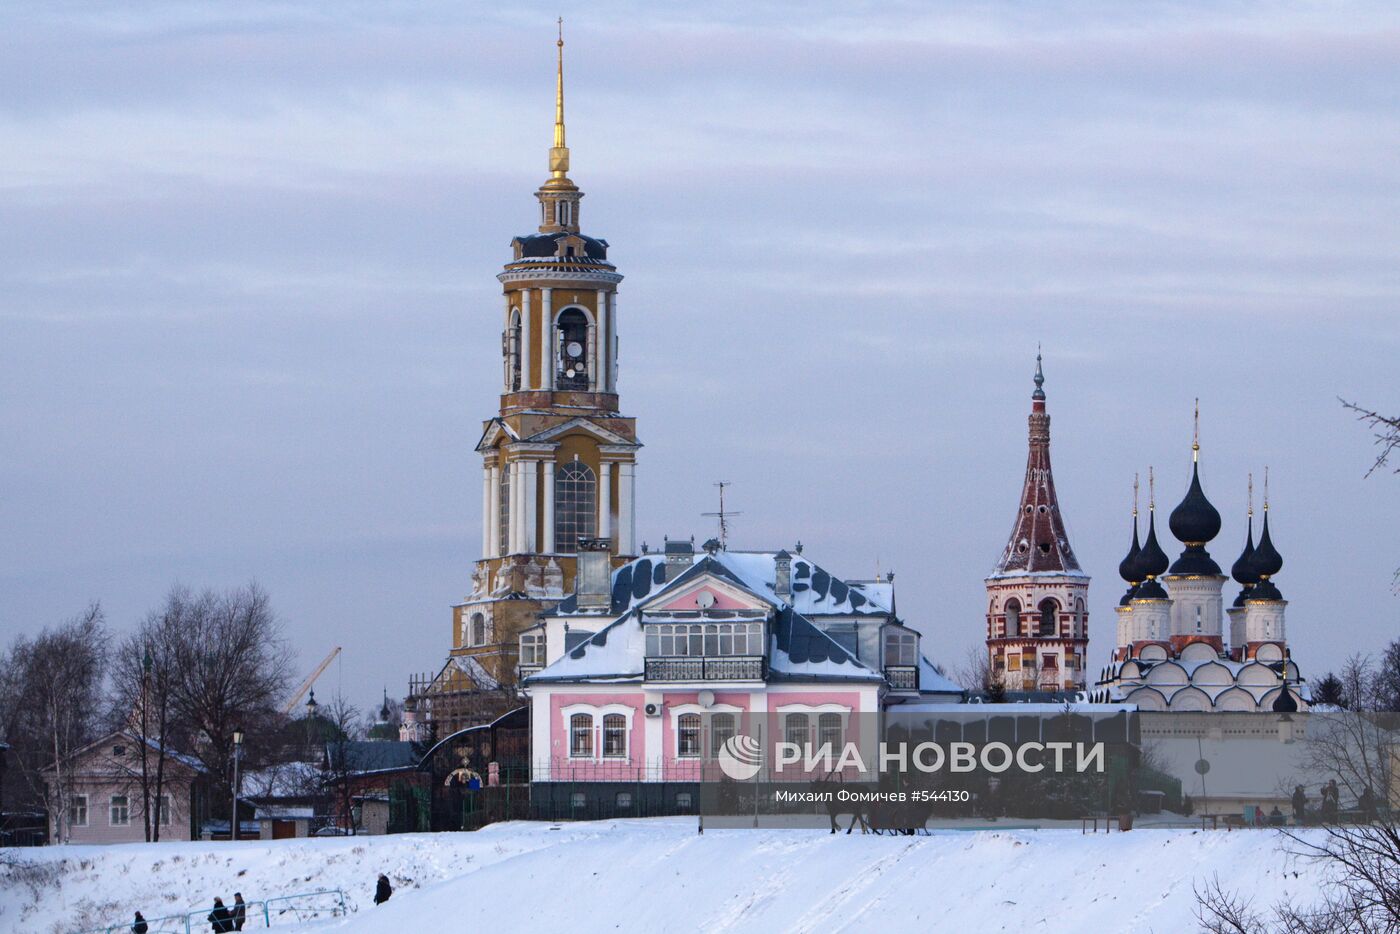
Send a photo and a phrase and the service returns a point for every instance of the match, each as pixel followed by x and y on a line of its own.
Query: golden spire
pixel 1251 494
pixel 1266 488
pixel 559 154
pixel 1151 491
pixel 1135 495
pixel 1196 434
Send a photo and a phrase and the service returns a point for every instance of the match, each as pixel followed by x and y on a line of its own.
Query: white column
pixel 600 364
pixel 530 471
pixel 590 358
pixel 526 379
pixel 547 339
pixel 513 531
pixel 626 514
pixel 605 500
pixel 493 513
pixel 548 544
pixel 486 544
pixel 612 342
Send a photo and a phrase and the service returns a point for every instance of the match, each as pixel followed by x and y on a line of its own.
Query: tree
pixel 1358 683
pixel 339 763
pixel 1328 691
pixel 1387 437
pixel 230 664
pixel 977 676
pixel 51 704
pixel 1387 678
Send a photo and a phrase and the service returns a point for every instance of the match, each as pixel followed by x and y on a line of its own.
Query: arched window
pixel 614 736
pixel 572 329
pixel 575 506
pixel 511 340
pixel 721 730
pixel 1013 617
pixel 1049 617
pixel 581 736
pixel 478 630
pixel 829 732
pixel 795 730
pixel 688 736
pixel 1081 617
pixel 504 543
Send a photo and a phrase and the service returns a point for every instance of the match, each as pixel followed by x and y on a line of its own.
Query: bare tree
pixel 977 675
pixel 53 706
pixel 230 664
pixel 340 762
pixel 1387 431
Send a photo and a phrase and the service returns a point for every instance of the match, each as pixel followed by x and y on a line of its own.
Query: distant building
pixel 1037 596
pixel 105 804
pixel 1172 653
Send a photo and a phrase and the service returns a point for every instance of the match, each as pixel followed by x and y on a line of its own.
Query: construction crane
pixel 310 680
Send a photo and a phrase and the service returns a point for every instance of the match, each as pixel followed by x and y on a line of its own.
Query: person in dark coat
pixel 220 921
pixel 1300 804
pixel 139 925
pixel 240 911
pixel 382 890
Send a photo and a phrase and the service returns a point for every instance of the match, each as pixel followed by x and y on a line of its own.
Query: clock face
pixel 574 349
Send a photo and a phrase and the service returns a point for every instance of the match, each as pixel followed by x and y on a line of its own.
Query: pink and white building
pixel 640 676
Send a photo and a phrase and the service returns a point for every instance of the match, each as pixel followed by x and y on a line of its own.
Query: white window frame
pixel 165 809
pixel 534 641
pixel 569 732
pixel 72 804
pixel 626 737
pixel 699 736
pixel 112 811
pixel 597 712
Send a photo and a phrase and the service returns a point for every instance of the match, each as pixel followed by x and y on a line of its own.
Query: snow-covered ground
pixel 648 875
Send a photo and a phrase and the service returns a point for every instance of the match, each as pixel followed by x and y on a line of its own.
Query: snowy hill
pixel 660 875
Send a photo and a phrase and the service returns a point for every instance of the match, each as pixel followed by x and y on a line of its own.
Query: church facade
pixel 1037 596
pixel 558 459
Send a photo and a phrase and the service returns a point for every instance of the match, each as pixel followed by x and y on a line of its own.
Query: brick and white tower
pixel 1038 598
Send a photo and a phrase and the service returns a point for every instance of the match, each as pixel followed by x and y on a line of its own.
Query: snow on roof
pixel 474 670
pixel 931 681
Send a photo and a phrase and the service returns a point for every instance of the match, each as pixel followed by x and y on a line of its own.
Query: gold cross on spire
pixel 559 153
pixel 1196 433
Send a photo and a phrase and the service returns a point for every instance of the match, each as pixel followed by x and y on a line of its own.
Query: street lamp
pixel 237 756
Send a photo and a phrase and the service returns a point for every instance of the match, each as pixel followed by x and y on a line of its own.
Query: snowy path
pixel 660 875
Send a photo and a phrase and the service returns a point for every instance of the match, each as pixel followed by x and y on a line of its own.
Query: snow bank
pixel 660 875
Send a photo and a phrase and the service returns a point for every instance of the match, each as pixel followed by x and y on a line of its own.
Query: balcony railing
pixel 717 668
pixel 902 677
pixel 524 671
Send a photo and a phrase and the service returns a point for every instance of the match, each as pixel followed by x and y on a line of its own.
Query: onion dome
pixel 1195 521
pixel 1130 568
pixel 1285 702
pixel 1154 559
pixel 1243 569
pixel 1151 589
pixel 1267 561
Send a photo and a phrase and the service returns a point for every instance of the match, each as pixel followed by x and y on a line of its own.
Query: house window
pixel 614 736
pixel 118 751
pixel 901 648
pixel 532 649
pixel 163 810
pixel 1013 617
pixel 578 800
pixel 1049 614
pixel 721 731
pixel 503 546
pixel 575 506
pixel 78 811
pixel 702 639
pixel 795 729
pixel 120 813
pixel 683 801
pixel 829 732
pixel 581 736
pixel 478 633
pixel 624 800
pixel 688 736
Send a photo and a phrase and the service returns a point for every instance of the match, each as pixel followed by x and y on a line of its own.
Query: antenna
pixel 723 515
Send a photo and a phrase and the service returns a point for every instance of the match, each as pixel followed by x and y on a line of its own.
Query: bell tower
pixel 558 457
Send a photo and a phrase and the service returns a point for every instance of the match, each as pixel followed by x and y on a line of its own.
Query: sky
pixel 249 321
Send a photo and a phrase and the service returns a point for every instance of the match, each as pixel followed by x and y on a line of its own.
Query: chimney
pixel 593 583
pixel 782 568
pixel 679 556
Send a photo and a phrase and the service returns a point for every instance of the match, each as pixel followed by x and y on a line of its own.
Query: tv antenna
pixel 723 515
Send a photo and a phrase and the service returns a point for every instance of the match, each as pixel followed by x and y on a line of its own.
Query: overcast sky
pixel 249 325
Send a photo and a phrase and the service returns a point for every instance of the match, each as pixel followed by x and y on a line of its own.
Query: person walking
pixel 382 890
pixel 1300 804
pixel 240 911
pixel 220 921
pixel 139 925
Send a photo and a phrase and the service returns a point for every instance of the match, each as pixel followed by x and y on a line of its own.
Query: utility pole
pixel 723 516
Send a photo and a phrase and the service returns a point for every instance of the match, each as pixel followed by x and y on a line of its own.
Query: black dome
pixel 1195 521
pixel 1154 559
pixel 1130 568
pixel 1243 569
pixel 1128 597
pixel 542 245
pixel 1267 561
pixel 1285 703
pixel 1151 590
pixel 1264 590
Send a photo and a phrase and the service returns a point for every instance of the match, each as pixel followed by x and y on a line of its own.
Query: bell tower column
pixel 547 338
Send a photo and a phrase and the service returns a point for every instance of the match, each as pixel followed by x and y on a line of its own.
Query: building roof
pixel 374 755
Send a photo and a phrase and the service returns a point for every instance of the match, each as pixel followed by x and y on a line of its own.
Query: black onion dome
pixel 1154 560
pixel 1151 590
pixel 1195 521
pixel 1130 568
pixel 1264 590
pixel 1285 702
pixel 1130 596
pixel 1243 569
pixel 1267 561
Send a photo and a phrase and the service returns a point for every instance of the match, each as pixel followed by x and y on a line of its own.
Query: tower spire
pixel 559 153
pixel 1039 394
pixel 1196 433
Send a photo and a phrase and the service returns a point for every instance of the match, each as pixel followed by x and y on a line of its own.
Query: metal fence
pixel 263 913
